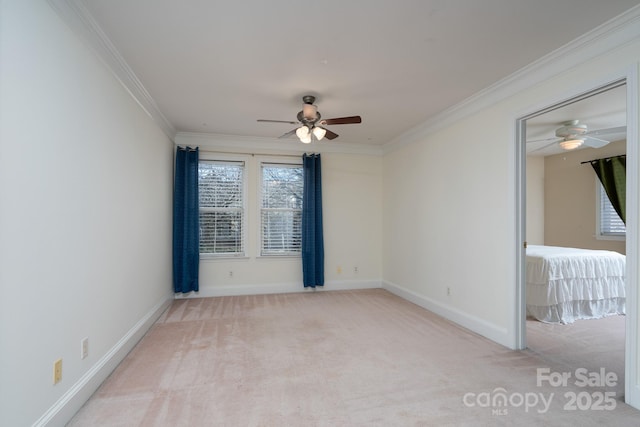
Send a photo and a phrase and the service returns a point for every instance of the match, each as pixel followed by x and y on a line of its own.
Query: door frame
pixel 630 78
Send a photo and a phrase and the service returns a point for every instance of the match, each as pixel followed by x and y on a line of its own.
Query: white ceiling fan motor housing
pixel 572 128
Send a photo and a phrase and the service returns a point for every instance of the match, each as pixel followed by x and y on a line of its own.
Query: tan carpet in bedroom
pixel 342 358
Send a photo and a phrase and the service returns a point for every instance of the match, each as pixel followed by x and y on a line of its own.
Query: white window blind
pixel 281 209
pixel 221 192
pixel 609 223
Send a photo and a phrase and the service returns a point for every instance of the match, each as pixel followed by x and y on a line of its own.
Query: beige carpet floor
pixel 348 358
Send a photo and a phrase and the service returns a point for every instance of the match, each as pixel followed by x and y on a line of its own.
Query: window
pixel 281 209
pixel 610 226
pixel 221 191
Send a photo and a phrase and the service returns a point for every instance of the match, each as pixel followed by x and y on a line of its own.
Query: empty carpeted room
pixel 367 262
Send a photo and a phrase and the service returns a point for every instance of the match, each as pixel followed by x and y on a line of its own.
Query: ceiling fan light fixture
pixel 319 132
pixel 306 139
pixel 302 132
pixel 571 143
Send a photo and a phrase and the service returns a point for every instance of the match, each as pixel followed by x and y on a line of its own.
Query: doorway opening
pixel 538 158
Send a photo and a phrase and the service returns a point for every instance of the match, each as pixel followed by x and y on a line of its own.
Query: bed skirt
pixel 569 312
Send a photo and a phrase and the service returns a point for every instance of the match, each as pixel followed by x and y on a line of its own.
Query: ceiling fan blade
pixel 288 134
pixel 277 121
pixel 343 120
pixel 330 135
pixel 608 131
pixel 555 138
pixel 594 142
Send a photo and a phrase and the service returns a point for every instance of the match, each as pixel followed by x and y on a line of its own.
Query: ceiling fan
pixel 312 125
pixel 573 134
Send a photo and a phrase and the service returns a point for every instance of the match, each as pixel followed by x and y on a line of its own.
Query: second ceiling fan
pixel 573 134
pixel 312 124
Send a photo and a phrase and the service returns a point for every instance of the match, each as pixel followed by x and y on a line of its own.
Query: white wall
pixel 449 200
pixel 352 219
pixel 446 222
pixel 85 219
pixel 535 200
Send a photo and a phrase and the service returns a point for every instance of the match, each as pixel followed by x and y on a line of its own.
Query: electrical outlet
pixel 355 270
pixel 448 291
pixel 84 348
pixel 57 371
pixel 230 273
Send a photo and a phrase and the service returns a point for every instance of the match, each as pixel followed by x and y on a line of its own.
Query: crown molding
pixel 79 19
pixel 611 35
pixel 253 144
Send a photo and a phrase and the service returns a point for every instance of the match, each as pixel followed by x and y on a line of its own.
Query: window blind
pixel 221 194
pixel 281 209
pixel 610 222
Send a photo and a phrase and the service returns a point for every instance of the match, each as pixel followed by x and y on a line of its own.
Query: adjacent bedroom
pixel 575 231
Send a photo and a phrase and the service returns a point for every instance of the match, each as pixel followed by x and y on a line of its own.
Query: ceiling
pixel 218 66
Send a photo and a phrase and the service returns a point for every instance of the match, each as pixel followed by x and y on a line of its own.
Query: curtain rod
pixel 297 156
pixel 604 158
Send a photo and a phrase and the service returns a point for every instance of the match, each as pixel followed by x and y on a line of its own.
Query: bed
pixel 567 284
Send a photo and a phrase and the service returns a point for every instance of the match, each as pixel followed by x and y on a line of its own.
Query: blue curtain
pixel 186 227
pixel 312 240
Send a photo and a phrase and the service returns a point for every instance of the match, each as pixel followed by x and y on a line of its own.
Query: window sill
pixel 280 257
pixel 611 238
pixel 223 258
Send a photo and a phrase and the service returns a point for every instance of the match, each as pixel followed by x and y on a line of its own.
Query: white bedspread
pixel 566 284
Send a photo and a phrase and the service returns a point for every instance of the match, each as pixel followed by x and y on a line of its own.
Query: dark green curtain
pixel 186 227
pixel 312 239
pixel 612 173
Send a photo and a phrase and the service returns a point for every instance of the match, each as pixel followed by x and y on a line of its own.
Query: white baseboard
pixel 278 288
pixel 70 402
pixel 474 324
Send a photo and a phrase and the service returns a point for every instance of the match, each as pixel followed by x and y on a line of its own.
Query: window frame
pixel 275 161
pixel 230 159
pixel 601 196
